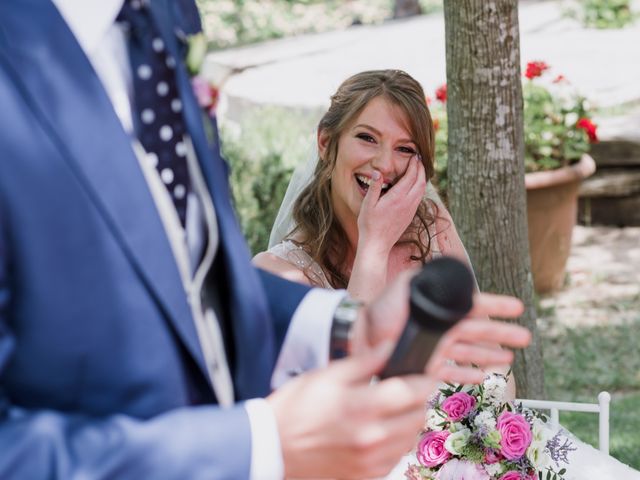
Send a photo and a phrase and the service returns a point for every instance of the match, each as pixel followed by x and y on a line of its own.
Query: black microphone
pixel 441 294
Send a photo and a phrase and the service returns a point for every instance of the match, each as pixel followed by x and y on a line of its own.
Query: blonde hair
pixel 317 229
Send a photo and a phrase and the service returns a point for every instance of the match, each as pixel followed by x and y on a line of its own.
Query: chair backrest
pixel 601 408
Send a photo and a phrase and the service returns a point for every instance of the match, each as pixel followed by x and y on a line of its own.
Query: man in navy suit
pixel 136 339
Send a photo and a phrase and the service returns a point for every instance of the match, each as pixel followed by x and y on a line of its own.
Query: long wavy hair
pixel 317 229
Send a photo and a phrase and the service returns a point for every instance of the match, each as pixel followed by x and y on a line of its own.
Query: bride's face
pixel 378 139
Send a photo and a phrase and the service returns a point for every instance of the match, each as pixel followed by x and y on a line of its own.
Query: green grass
pixel 582 361
pixel 625 425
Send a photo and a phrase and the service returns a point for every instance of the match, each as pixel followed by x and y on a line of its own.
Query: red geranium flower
pixel 588 126
pixel 441 93
pixel 535 69
pixel 436 124
pixel 559 79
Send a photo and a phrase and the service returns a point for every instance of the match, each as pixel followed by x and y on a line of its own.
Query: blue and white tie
pixel 158 119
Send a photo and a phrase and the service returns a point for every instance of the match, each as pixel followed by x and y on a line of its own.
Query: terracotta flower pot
pixel 552 209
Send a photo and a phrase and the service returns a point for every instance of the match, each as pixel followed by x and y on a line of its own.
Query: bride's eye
pixel 366 137
pixel 407 150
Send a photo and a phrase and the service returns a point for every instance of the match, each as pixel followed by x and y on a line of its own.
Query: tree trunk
pixel 486 159
pixel 406 8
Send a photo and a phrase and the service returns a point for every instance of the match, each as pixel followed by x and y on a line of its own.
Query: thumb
pixel 362 367
pixel 373 192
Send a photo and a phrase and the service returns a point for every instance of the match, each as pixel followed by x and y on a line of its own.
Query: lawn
pixel 580 362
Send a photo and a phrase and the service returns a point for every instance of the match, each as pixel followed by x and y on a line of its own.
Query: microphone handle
pixel 413 350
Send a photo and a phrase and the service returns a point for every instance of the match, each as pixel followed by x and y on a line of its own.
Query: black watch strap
pixel 343 319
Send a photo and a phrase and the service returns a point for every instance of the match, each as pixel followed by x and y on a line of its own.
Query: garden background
pixel 271 94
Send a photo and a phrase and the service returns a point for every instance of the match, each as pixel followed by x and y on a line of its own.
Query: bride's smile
pixel 377 140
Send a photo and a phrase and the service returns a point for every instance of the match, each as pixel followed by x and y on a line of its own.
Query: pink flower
pixel 413 473
pixel 456 469
pixel 491 456
pixel 516 435
pixel 511 475
pixel 431 451
pixel 206 93
pixel 441 93
pixel 458 406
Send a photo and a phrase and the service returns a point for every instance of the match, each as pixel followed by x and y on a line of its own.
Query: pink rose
pixel 458 406
pixel 511 475
pixel 491 456
pixel 431 451
pixel 516 435
pixel 460 469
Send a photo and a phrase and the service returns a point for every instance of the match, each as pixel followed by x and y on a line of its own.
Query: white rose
pixel 457 441
pixel 434 419
pixel 536 452
pixel 495 387
pixel 493 470
pixel 485 419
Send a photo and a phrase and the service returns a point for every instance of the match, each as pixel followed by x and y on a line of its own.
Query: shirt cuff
pixel 266 452
pixel 306 345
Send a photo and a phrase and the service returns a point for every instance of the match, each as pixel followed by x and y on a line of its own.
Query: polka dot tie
pixel 157 113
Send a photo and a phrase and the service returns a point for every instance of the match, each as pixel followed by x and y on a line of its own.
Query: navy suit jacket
pixel 101 372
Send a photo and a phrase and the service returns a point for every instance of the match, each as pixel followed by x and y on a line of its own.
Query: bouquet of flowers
pixel 472 433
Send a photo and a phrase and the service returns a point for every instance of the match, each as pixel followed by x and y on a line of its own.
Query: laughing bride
pixel 362 210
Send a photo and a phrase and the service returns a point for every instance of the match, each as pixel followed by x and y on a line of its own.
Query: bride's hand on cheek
pixel 384 218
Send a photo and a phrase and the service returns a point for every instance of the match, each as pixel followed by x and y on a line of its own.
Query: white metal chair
pixel 602 408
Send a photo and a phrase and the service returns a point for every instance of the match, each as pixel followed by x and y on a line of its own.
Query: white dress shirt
pixel 306 344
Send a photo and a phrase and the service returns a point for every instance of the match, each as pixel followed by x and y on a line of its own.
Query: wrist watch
pixel 343 319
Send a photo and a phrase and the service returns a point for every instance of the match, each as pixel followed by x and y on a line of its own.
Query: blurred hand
pixel 334 423
pixel 474 340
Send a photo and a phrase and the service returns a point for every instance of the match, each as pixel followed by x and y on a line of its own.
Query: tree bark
pixel 486 159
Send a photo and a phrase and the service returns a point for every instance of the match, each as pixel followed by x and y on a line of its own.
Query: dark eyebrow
pixel 369 127
pixel 377 132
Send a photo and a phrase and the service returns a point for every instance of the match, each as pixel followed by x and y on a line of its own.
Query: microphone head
pixel 442 291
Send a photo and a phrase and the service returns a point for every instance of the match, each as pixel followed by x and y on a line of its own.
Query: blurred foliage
pixel 229 23
pixel 554 136
pixel 439 117
pixel 602 13
pixel 262 156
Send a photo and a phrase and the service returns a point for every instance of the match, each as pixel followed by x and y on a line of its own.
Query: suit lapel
pixel 67 95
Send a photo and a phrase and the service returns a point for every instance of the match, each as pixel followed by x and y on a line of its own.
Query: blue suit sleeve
pixel 188 443
pixel 283 297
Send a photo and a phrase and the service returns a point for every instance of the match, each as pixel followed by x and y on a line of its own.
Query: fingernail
pixel 419 157
pixel 375 175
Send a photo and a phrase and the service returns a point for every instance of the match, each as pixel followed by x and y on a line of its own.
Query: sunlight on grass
pixel 581 362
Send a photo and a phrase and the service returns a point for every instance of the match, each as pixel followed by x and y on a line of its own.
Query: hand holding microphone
pixel 440 295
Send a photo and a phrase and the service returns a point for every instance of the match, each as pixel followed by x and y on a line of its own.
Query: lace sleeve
pixel 296 256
